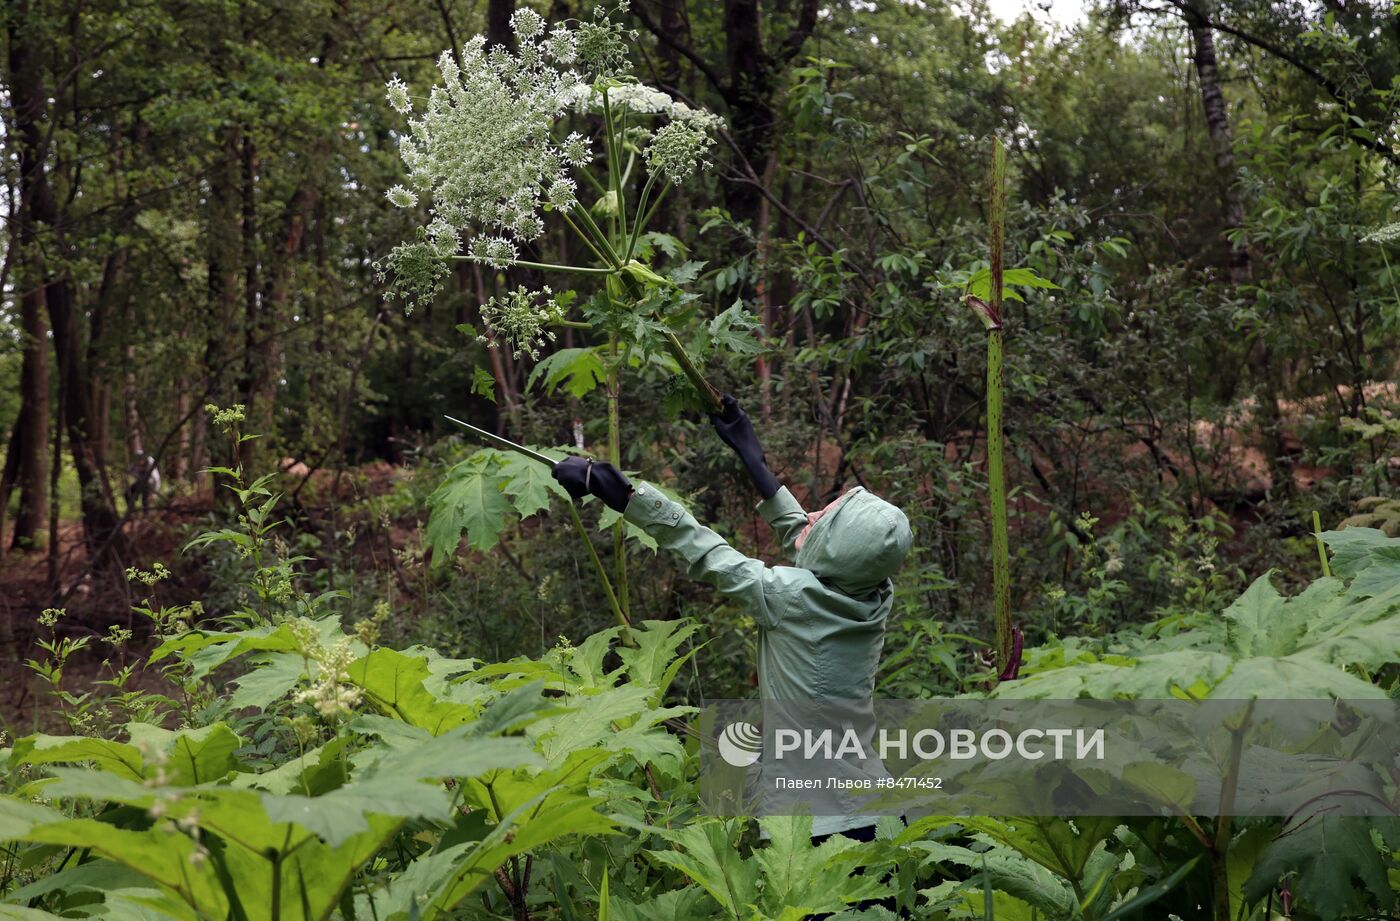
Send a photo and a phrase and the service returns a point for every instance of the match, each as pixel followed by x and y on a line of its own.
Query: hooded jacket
pixel 822 621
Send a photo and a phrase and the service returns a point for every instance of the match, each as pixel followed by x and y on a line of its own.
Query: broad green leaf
pixel 469 501
pixel 1061 847
pixel 1261 622
pixel 706 854
pixel 796 875
pixel 658 642
pixel 686 904
pixel 117 758
pixel 1352 548
pixel 1297 677
pixel 1012 873
pixel 534 824
pixel 483 384
pixel 458 754
pixel 394 683
pixel 591 721
pixel 1333 865
pixel 529 484
pixel 979 284
pixel 341 814
pixel 579 370
pixel 735 331
pixel 317 771
pixel 193 756
pixel 269 680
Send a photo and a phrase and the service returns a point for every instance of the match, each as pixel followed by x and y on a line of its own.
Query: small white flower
pixel 526 24
pixel 398 96
pixel 678 149
pixel 401 197
pixel 561 45
pixel 576 150
pixel 563 193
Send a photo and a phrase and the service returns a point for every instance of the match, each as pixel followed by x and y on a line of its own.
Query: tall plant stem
pixel 1321 545
pixel 545 266
pixel 614 169
pixel 602 570
pixel 996 472
pixel 604 248
pixel 615 457
pixel 640 222
pixel 587 240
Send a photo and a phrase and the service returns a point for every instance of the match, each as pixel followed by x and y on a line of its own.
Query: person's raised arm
pixel 709 556
pixel 734 429
pixel 778 507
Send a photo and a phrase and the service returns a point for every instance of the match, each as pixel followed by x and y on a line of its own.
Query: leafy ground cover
pixel 318 773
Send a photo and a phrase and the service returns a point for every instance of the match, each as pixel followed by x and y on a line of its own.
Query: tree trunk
pixel 30 101
pixel 1269 417
pixel 1218 124
pixel 750 99
pixel 32 429
pixel 29 447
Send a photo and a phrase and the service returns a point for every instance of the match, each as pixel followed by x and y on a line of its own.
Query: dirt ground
pixel 95 600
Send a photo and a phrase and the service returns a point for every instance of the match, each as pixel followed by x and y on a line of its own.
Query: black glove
pixel 582 476
pixel 734 429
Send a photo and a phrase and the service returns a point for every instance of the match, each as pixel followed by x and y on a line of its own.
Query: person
pixel 822 620
pixel 144 477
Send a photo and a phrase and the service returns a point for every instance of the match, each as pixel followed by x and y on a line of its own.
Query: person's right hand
pixel 734 429
pixel 581 476
pixel 572 474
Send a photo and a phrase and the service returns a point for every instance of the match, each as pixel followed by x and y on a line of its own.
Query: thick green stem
pixel 584 236
pixel 602 571
pixel 996 472
pixel 1224 825
pixel 619 217
pixel 545 266
pixel 604 248
pixel 640 222
pixel 1321 545
pixel 615 457
pixel 656 203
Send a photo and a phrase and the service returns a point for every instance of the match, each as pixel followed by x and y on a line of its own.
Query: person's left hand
pixel 735 429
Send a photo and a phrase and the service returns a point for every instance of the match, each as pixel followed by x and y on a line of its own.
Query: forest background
pixel 195 198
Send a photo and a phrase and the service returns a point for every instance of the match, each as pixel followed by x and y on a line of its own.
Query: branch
pixel 684 50
pixel 1332 88
pixel 806 22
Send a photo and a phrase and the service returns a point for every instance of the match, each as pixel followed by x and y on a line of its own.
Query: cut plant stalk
pixel 991 317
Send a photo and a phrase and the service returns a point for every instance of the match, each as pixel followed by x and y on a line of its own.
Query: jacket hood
pixel 858 544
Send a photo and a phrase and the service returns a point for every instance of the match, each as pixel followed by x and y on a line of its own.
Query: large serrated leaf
pixel 579 370
pixel 1332 864
pixel 470 501
pixel 529 484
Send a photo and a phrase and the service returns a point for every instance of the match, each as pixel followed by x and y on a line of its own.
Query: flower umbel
pixel 521 318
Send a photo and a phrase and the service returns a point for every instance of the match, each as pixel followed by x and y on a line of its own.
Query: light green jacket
pixel 821 622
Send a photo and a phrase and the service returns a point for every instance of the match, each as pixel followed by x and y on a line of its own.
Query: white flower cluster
pixel 482 150
pixel 521 318
pixel 329 694
pixel 675 150
pixel 1387 234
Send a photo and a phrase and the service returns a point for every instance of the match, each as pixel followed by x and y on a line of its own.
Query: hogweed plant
pixel 498 150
